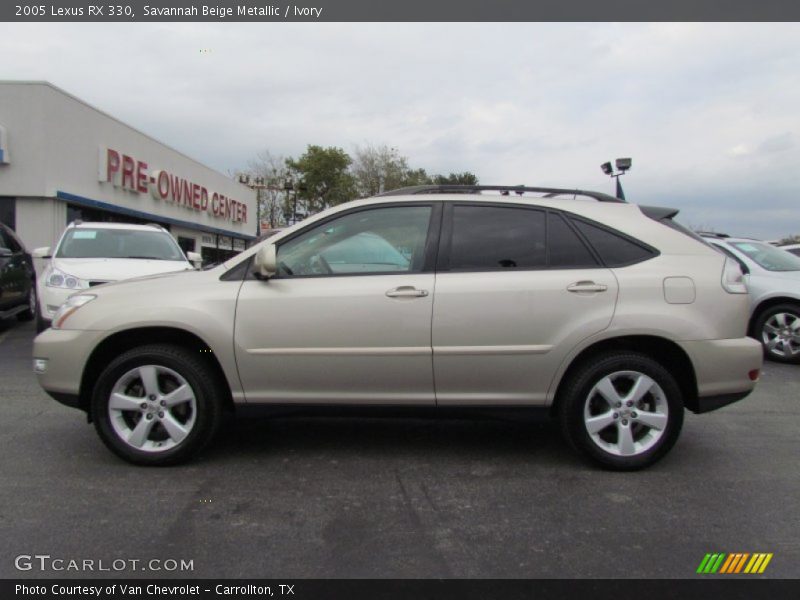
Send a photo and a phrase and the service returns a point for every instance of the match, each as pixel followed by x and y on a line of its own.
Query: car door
pixel 14 272
pixel 347 319
pixel 516 289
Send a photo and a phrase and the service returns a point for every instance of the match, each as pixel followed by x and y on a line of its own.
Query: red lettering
pixel 112 164
pixel 162 184
pixel 203 199
pixel 215 204
pixel 244 213
pixel 127 172
pixel 141 177
pixel 187 192
pixel 175 184
pixel 195 196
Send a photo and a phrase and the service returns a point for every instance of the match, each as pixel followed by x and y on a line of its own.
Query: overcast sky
pixel 709 112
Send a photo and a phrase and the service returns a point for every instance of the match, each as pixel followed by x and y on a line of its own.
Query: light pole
pixel 258 184
pixel 289 187
pixel 623 165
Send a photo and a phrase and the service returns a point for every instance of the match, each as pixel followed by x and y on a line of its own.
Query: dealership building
pixel 62 160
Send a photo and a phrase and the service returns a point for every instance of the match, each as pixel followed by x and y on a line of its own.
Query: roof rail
pixel 713 234
pixel 503 189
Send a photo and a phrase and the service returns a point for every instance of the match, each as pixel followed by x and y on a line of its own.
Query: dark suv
pixel 17 278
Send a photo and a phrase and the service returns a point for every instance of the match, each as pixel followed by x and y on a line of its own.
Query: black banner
pixel 405 11
pixel 732 588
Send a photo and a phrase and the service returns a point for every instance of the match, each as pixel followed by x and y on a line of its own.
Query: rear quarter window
pixel 614 248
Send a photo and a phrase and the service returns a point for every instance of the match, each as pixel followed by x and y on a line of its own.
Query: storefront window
pixel 8 211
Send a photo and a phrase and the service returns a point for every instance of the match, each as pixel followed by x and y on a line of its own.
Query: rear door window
pixel 497 237
pixel 566 249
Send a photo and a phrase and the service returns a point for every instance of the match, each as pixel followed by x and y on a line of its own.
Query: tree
pixel 378 169
pixel 272 198
pixel 465 178
pixel 324 173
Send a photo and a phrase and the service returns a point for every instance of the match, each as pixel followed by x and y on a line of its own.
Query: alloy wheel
pixel 626 413
pixel 781 335
pixel 152 408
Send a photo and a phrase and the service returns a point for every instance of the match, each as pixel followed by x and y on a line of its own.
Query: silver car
pixel 773 278
pixel 605 315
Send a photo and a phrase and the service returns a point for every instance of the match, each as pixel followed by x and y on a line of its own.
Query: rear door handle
pixel 406 291
pixel 586 287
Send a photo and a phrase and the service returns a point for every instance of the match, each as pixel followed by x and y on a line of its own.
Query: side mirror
pixel 266 261
pixel 43 252
pixel 195 258
pixel 5 252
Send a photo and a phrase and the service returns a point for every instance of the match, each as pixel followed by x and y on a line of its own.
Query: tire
pixel 778 330
pixel 133 411
pixel 33 305
pixel 41 324
pixel 611 433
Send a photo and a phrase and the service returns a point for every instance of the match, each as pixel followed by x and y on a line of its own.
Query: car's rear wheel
pixel 622 410
pixel 156 405
pixel 778 330
pixel 30 311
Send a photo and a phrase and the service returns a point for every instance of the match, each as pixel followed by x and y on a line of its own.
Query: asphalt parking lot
pixel 415 498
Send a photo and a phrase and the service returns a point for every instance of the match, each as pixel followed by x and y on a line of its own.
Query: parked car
pixel 773 278
pixel 17 278
pixel 609 316
pixel 793 248
pixel 91 254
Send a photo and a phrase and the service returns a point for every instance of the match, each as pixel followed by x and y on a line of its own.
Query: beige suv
pixel 607 315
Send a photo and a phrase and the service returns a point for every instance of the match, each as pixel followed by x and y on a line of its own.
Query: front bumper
pixel 722 369
pixel 66 351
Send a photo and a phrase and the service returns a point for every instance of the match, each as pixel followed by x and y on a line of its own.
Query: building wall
pixel 55 144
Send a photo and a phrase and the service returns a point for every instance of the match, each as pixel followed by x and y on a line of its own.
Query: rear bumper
pixel 722 369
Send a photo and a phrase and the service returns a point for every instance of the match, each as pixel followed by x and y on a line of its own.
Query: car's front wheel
pixel 156 405
pixel 778 330
pixel 622 410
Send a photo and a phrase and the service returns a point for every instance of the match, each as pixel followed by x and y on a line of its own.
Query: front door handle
pixel 406 291
pixel 586 287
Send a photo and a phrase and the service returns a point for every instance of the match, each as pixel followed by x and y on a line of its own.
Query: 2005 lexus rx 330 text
pixel 609 315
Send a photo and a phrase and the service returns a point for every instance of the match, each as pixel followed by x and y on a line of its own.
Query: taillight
pixel 733 278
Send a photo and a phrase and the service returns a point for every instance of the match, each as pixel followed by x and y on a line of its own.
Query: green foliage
pixel 323 172
pixel 324 177
pixel 465 178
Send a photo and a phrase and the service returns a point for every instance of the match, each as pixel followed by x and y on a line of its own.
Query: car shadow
pixel 348 437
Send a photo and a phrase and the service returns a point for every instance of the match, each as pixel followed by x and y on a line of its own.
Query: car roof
pixel 104 225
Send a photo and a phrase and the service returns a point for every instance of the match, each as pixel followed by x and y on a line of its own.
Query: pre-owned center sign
pixel 134 175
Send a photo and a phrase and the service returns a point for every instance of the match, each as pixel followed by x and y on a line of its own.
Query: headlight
pixel 58 279
pixel 72 304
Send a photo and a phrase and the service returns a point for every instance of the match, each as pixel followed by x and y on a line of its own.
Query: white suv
pixel 773 278
pixel 90 254
pixel 607 315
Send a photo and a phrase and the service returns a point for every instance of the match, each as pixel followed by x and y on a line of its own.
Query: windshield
pixel 119 243
pixel 767 256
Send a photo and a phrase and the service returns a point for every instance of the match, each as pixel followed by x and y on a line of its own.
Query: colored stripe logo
pixel 737 562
